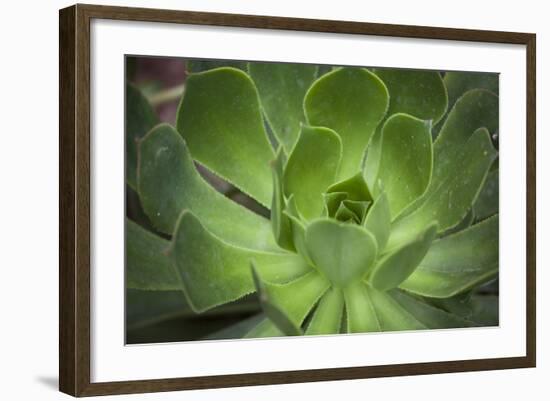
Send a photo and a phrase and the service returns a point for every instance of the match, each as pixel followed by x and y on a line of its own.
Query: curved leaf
pixel 393 268
pixel 298 228
pixel 342 252
pixel 430 316
pixel 272 310
pixel 332 202
pixel 282 87
pixel 355 188
pixel 220 118
pixel 266 328
pixel 361 316
pixel 378 221
pixel 213 272
pixel 487 201
pixel 421 94
pixel 458 83
pixel 140 118
pixel 287 305
pixel 406 161
pixel 312 167
pixel 237 330
pixel 458 262
pixel 280 223
pixel 169 183
pixel 359 208
pixel 352 102
pixel 476 109
pixel 147 266
pixel 327 318
pixel 449 199
pixel 390 314
pixel 344 214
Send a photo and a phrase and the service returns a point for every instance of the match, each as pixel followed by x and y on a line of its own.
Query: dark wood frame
pixel 74 199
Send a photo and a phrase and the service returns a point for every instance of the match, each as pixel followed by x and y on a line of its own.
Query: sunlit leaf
pixel 342 252
pixel 312 167
pixel 449 199
pixel 361 315
pixel 327 318
pixel 213 272
pixel 378 221
pixel 282 87
pixel 280 223
pixel 352 102
pixel 418 93
pixel 458 262
pixel 287 305
pixel 169 183
pixel 406 162
pixel 220 119
pixel 393 268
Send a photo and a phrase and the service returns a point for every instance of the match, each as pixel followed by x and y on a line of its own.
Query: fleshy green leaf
pixel 346 215
pixel 280 223
pixel 393 268
pixel 282 88
pixel 458 83
pixel 475 109
pixel 406 160
pixel 487 201
pixel 140 118
pixel 332 202
pixel 220 119
pixel 213 272
pixel 458 262
pixel 448 200
pixel 147 266
pixel 355 187
pixel 359 208
pixel 378 221
pixel 361 316
pixel 297 227
pixel 312 167
pixel 169 183
pixel 462 225
pixel 287 305
pixel 272 310
pixel 352 102
pixel 327 318
pixel 390 314
pixel 342 252
pixel 428 315
pixel 418 93
pixel 266 328
pixel 237 330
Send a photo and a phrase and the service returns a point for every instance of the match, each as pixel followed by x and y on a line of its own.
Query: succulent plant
pixel 381 186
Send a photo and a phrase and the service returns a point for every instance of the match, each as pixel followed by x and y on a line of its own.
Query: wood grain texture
pixel 74 199
pixel 67 296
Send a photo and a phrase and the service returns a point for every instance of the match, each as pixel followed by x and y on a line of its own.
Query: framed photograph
pixel 250 200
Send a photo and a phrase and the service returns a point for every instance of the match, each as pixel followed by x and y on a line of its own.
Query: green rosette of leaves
pixel 376 223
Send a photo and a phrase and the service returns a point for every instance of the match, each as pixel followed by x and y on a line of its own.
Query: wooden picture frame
pixel 74 204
